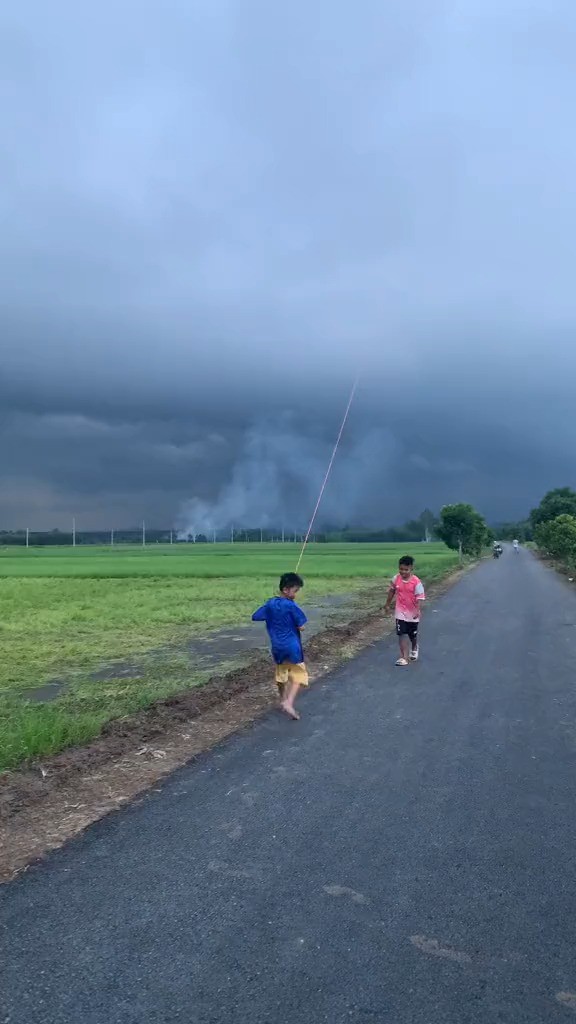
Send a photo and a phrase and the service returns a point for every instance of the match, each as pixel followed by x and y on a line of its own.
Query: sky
pixel 214 214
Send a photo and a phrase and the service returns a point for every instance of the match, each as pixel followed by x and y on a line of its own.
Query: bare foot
pixel 290 711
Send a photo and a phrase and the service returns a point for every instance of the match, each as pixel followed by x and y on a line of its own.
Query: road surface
pixel 404 854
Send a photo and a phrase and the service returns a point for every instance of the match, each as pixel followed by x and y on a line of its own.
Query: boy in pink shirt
pixel 408 593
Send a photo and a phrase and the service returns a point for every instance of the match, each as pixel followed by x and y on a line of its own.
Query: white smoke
pixel 275 481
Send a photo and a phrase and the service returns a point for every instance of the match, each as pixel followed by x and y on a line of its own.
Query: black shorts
pixel 409 629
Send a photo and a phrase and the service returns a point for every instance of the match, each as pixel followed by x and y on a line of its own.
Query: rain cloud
pixel 213 215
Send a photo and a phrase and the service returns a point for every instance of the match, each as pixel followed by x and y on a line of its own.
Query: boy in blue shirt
pixel 284 621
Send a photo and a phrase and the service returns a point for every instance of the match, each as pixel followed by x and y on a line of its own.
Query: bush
pixel 558 538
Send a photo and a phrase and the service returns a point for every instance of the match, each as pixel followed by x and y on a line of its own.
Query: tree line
pixel 459 526
pixel 60 538
pixel 552 525
pixel 422 528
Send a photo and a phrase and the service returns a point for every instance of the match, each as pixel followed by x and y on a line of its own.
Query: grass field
pixel 65 612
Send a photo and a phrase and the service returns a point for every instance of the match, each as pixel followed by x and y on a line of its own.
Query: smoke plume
pixel 276 478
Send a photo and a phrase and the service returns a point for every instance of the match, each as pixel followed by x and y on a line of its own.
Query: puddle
pixel 207 651
pixel 44 694
pixel 51 691
pixel 119 670
pixel 223 644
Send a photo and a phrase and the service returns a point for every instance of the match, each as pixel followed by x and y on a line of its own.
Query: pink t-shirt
pixel 408 593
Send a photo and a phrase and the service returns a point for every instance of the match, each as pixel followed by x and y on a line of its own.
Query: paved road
pixel 405 854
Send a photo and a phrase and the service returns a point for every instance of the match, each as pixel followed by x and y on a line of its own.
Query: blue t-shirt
pixel 283 618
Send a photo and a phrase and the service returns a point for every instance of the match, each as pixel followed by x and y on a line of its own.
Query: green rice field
pixel 66 613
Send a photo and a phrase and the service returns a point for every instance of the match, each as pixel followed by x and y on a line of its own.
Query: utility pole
pixel 27 537
pixel 143 534
pixel 261 535
pixel 213 536
pixel 111 538
pixel 283 533
pixel 74 532
pixel 171 537
pixel 231 534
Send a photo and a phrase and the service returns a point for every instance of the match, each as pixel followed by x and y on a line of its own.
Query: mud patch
pixel 44 805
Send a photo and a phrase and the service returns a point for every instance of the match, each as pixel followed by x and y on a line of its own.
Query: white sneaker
pixel 414 655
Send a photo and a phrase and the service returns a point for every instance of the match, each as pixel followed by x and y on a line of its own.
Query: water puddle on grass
pixel 118 670
pixel 223 644
pixel 208 651
pixel 44 694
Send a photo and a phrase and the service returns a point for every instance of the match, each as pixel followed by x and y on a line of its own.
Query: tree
pixel 463 529
pixel 561 502
pixel 558 538
pixel 521 531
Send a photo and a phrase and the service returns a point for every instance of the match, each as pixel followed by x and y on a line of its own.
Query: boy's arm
pixel 260 614
pixel 298 617
pixel 390 598
pixel 420 597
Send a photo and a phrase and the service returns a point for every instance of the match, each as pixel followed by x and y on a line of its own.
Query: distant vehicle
pixel 497 549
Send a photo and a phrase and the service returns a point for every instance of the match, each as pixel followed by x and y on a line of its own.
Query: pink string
pixel 325 481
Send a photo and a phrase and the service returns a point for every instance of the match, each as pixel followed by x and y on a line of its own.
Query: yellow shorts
pixel 287 672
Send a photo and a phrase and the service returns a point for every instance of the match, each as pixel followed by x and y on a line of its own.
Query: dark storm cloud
pixel 212 213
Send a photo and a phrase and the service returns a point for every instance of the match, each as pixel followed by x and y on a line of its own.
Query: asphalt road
pixel 404 854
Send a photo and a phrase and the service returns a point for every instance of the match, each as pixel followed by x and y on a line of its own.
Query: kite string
pixel 325 480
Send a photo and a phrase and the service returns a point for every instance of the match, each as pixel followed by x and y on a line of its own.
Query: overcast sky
pixel 214 212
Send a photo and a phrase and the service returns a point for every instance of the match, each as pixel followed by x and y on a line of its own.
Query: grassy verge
pixel 63 613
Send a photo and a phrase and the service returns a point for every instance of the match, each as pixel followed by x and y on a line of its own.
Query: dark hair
pixel 406 560
pixel 290 579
